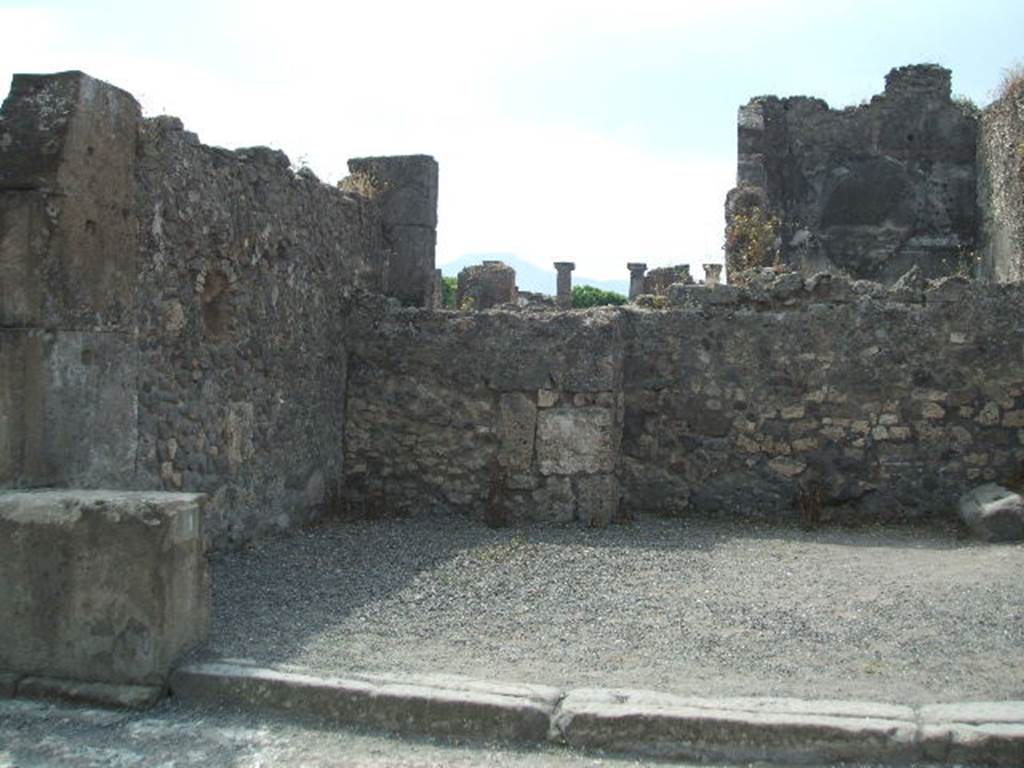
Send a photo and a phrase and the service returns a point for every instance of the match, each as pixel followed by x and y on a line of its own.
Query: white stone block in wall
pixel 574 441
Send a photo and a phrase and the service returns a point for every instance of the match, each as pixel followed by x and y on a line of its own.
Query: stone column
pixel 636 279
pixel 712 274
pixel 564 286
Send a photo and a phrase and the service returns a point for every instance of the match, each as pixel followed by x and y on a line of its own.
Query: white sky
pixel 598 132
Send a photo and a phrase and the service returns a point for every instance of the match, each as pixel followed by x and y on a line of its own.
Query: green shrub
pixel 449 287
pixel 588 296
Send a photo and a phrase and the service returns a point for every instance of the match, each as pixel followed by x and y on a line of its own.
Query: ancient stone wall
pixel 885 403
pixel 181 317
pixel 1001 188
pixel 868 191
pixel 846 401
pixel 505 415
pixel 244 273
pixel 174 315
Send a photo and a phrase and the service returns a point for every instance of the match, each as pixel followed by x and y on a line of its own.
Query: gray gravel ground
pixel 906 615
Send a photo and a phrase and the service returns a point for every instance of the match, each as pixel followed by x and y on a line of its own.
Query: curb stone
pixel 440 706
pixel 988 732
pixel 630 722
pixel 737 730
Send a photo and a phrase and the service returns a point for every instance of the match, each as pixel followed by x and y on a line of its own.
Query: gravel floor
pixel 906 615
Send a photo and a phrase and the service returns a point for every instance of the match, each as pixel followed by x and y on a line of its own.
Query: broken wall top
pixel 868 191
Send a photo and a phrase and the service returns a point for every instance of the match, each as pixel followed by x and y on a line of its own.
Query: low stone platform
pixel 100 589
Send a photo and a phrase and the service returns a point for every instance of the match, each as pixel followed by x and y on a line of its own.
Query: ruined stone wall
pixel 244 273
pixel 176 316
pixel 1001 188
pixel 889 403
pixel 867 191
pixel 504 415
pixel 860 402
pixel 182 317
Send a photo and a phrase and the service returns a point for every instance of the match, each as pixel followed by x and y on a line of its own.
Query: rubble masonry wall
pixel 1001 188
pixel 173 315
pixel 880 404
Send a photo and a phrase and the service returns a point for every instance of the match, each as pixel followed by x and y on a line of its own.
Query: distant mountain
pixel 530 277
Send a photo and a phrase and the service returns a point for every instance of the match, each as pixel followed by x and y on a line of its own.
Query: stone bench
pixel 100 587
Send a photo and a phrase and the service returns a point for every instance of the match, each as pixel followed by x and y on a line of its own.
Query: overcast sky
pixel 592 131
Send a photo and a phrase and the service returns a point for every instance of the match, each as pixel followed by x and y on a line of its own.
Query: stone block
pixel 597 499
pixel 554 501
pixel 101 586
pixel 993 513
pixel 517 423
pixel 574 441
pixel 68 408
pixel 546 398
pixel 67 193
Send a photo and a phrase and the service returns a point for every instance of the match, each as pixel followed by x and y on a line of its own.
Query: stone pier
pixel 405 188
pixel 712 274
pixel 107 587
pixel 486 285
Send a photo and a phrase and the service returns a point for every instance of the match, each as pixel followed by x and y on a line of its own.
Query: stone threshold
pixel 628 722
